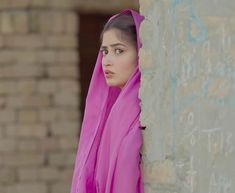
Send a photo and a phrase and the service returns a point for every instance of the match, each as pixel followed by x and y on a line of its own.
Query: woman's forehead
pixel 114 36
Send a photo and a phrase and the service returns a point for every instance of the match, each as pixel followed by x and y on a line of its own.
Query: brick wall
pixel 105 6
pixel 40 91
pixel 39 95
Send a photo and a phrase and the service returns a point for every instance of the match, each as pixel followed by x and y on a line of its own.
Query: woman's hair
pixel 125 24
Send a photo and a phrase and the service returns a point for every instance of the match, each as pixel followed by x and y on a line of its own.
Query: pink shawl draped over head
pixel 109 161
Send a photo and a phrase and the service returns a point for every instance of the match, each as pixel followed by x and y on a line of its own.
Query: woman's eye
pixel 118 51
pixel 104 52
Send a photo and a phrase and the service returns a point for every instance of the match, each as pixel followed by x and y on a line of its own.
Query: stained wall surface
pixel 188 95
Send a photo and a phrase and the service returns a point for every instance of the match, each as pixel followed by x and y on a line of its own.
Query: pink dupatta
pixel 109 161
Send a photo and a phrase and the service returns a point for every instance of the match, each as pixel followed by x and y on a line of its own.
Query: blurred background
pixel 48 50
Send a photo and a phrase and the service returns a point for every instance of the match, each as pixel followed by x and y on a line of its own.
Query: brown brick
pixel 39 3
pixel 67 56
pixel 33 21
pixel 48 115
pixel 7 175
pixel 4 4
pixel 32 57
pixel 61 159
pixel 71 114
pixel 7 116
pixel 3 188
pixel 62 71
pixel 66 4
pixel 18 71
pixel 26 130
pixel 61 187
pixel 65 128
pixel 44 22
pixel 72 23
pixel 6 57
pixel 66 174
pixel 28 174
pixel 7 146
pixel 6 23
pixel 61 41
pixel 24 159
pixel 2 135
pixel 20 22
pixel 55 114
pixel 47 86
pixel 52 22
pixel 66 99
pixel 19 4
pixel 34 101
pixel 57 18
pixel 46 56
pixel 24 41
pixel 68 143
pixel 71 86
pixel 28 116
pixel 2 101
pixel 17 56
pixel 26 57
pixel 1 42
pixel 49 144
pixel 28 145
pixel 49 174
pixel 35 187
pixel 7 87
pixel 26 86
pixel 1 162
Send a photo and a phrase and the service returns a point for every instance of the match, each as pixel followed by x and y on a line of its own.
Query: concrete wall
pixel 188 95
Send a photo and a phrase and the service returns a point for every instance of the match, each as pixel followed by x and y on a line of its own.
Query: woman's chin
pixel 113 84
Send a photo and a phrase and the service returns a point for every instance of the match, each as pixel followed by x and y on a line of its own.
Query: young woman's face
pixel 119 57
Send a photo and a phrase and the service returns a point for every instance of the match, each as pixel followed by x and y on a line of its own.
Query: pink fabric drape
pixel 108 155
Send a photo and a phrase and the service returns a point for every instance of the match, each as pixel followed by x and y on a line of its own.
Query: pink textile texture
pixel 109 161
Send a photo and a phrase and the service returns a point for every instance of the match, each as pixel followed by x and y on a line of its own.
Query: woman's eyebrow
pixel 113 45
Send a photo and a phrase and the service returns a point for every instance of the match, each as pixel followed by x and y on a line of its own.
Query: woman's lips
pixel 108 73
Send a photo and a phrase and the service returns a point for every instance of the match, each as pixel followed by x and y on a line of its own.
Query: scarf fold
pixel 108 154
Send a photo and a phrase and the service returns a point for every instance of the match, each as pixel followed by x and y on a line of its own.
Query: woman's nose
pixel 107 61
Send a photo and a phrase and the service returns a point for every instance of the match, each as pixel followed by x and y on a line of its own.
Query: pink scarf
pixel 109 161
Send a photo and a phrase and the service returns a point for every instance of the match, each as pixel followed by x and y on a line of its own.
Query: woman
pixel 108 156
